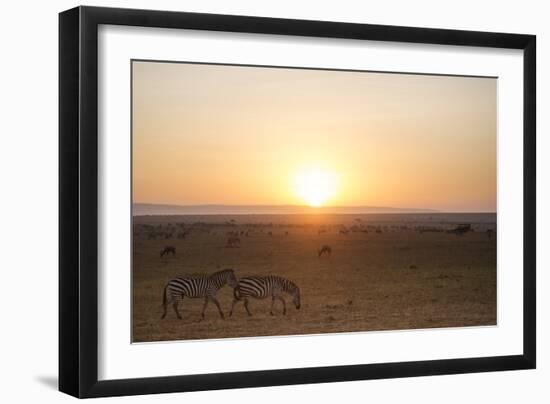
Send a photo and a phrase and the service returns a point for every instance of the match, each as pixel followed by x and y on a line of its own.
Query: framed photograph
pixel 250 201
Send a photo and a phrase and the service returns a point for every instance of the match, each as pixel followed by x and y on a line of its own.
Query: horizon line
pixel 311 209
pixel 278 205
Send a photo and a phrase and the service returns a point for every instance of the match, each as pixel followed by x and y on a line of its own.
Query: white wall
pixel 28 197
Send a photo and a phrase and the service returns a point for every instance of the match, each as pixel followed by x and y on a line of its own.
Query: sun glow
pixel 315 186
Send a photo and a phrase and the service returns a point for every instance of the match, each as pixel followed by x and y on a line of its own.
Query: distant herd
pixel 233 237
pixel 255 287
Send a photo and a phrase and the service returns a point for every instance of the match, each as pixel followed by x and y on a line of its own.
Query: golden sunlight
pixel 315 186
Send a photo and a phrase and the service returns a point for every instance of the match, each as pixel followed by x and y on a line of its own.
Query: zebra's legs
pixel 175 306
pixel 164 306
pixel 284 304
pixel 206 299
pixel 233 306
pixel 273 303
pixel 218 306
pixel 235 301
pixel 204 307
pixel 246 307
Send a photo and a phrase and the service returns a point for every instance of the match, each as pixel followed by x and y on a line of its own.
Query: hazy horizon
pixel 146 209
pixel 236 135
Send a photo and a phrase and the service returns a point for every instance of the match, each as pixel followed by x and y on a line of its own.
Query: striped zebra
pixel 261 287
pixel 196 287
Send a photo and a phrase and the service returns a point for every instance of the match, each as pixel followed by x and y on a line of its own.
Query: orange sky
pixel 207 134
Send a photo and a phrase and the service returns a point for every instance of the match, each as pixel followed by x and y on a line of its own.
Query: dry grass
pixel 397 279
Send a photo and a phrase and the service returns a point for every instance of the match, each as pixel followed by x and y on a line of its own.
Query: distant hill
pixel 143 209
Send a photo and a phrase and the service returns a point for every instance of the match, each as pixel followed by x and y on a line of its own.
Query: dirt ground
pixel 386 272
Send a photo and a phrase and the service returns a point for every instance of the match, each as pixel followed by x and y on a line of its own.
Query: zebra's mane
pixel 290 286
pixel 223 271
pixel 220 278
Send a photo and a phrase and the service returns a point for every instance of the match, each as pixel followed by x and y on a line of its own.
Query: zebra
pixel 260 287
pixel 196 287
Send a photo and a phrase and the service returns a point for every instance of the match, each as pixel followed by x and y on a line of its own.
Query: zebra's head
pixel 230 278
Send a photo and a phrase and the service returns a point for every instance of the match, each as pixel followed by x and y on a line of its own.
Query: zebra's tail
pixel 236 293
pixel 164 301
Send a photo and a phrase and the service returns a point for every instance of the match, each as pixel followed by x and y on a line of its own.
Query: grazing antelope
pixel 325 249
pixel 261 287
pixel 168 250
pixel 461 229
pixel 233 241
pixel 196 287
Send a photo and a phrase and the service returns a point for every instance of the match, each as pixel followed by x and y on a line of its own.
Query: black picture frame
pixel 78 200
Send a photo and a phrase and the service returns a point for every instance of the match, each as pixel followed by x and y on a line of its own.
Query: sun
pixel 315 186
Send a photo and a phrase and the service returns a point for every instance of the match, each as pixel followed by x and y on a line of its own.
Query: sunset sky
pixel 206 134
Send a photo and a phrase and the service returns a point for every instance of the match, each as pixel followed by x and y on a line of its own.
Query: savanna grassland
pixel 386 272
